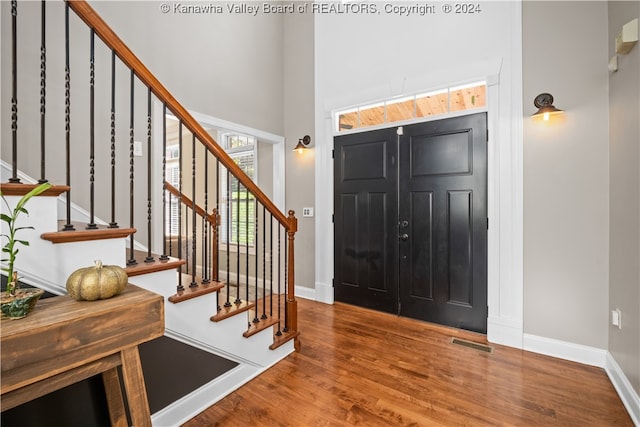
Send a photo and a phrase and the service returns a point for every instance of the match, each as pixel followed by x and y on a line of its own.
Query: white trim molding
pixel 322 293
pixel 625 390
pixel 306 293
pixel 565 350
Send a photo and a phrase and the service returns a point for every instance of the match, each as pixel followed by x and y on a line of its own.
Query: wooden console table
pixel 64 341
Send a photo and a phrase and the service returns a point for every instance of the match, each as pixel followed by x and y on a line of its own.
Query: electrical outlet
pixel 616 318
pixel 137 148
pixel 308 212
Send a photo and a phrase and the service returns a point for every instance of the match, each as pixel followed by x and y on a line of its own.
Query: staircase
pixel 227 268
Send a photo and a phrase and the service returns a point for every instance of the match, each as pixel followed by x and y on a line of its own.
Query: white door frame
pixel 505 190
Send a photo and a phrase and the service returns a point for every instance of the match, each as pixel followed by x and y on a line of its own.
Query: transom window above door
pixel 425 104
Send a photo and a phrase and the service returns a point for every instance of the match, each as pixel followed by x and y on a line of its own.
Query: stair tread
pixel 82 234
pixel 144 266
pixel 200 289
pixel 226 312
pixel 261 325
pixel 279 340
pixel 19 189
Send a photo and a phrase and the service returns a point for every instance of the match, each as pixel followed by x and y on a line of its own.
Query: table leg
pixel 117 414
pixel 135 388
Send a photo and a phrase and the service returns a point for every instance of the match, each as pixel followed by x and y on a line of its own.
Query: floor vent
pixel 474 345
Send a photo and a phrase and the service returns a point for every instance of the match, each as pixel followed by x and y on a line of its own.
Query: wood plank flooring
pixel 360 367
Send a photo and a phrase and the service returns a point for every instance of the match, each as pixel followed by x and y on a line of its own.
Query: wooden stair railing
pixel 111 40
pixel 104 32
pixel 281 259
pixel 254 305
pixel 206 285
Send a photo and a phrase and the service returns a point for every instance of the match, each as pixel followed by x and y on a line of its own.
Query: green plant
pixel 10 248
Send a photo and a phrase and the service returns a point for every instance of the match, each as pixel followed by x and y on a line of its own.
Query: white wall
pixel 566 190
pixel 362 57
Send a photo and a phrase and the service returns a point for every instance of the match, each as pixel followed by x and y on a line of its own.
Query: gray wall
pixel 226 65
pixel 624 203
pixel 299 76
pixel 566 215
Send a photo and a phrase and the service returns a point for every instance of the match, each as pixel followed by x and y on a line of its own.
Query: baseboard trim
pixel 628 395
pixel 306 293
pixel 504 331
pixel 324 292
pixel 565 350
pixel 182 410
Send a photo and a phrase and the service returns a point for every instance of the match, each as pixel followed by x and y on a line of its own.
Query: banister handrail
pixel 109 37
pixel 189 203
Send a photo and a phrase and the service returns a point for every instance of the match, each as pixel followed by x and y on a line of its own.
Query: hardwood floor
pixel 360 367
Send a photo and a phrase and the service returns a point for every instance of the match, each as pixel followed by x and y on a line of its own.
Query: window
pixel 237 210
pixel 443 101
pixel 173 178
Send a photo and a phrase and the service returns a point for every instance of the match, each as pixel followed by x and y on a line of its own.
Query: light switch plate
pixel 307 212
pixel 137 148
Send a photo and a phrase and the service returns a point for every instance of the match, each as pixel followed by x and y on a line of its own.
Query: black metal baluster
pixel 279 332
pixel 170 233
pixel 180 286
pixel 203 250
pixel 164 256
pixel 14 92
pixel 193 212
pixel 132 259
pixel 238 300
pixel 43 93
pixel 186 238
pixel 67 116
pixel 217 241
pixel 149 257
pixel 255 240
pixel 205 229
pixel 246 237
pixel 113 223
pixel 264 263
pixel 92 135
pixel 228 227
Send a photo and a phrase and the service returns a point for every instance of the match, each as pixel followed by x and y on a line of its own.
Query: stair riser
pixel 224 336
pixel 54 263
pixel 191 319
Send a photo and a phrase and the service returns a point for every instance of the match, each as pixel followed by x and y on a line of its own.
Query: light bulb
pixel 545 116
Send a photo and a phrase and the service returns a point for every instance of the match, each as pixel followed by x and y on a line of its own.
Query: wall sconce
pixel 302 144
pixel 544 103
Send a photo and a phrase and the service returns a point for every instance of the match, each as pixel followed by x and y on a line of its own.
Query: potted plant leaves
pixel 16 302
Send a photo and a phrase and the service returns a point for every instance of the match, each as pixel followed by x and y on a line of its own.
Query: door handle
pixel 404 237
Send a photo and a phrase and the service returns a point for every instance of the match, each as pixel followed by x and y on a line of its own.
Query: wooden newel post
pixel 214 220
pixel 292 304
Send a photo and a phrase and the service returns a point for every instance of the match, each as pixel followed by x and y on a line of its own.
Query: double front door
pixel 410 220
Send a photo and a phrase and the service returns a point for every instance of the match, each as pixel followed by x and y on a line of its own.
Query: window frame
pixel 224 137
